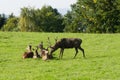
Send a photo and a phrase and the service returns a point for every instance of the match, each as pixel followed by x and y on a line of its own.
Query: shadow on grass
pixel 68 58
pixel 97 57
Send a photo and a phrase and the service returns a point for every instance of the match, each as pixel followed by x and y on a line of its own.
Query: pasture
pixel 102 57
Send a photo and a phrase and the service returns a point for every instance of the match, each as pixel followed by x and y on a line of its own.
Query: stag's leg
pixel 82 51
pixel 76 49
pixel 61 53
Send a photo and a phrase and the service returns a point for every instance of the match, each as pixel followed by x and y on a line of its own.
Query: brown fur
pixel 65 43
pixel 44 53
pixel 29 53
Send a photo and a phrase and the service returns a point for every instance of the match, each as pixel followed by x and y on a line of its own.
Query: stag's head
pixel 54 47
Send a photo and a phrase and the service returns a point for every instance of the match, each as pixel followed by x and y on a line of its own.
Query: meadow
pixel 102 57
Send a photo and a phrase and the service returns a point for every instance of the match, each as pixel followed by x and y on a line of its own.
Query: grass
pixel 102 62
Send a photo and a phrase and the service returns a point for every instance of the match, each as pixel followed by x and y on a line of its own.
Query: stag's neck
pixel 53 49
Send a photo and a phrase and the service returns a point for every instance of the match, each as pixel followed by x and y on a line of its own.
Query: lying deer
pixel 36 53
pixel 44 53
pixel 65 43
pixel 29 53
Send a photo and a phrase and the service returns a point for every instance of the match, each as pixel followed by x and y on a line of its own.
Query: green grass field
pixel 102 62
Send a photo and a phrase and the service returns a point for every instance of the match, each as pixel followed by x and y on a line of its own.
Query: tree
pixel 72 22
pixel 2 20
pixel 111 15
pixel 27 20
pixel 11 24
pixel 97 16
pixel 51 20
pixel 45 19
pixel 68 21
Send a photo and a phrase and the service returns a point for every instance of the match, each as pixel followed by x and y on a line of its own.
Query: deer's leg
pixel 82 51
pixel 61 53
pixel 76 52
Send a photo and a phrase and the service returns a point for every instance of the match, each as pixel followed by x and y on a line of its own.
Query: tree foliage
pixel 45 19
pixel 91 16
pixel 11 24
pixel 2 20
pixel 27 18
pixel 97 16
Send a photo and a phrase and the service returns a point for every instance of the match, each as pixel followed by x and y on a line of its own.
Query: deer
pixel 36 53
pixel 29 53
pixel 44 53
pixel 66 43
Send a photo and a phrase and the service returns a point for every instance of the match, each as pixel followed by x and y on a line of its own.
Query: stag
pixel 65 43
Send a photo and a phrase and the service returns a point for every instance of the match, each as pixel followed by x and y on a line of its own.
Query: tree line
pixel 89 16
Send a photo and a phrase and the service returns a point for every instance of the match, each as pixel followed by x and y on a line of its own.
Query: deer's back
pixel 28 55
pixel 70 42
